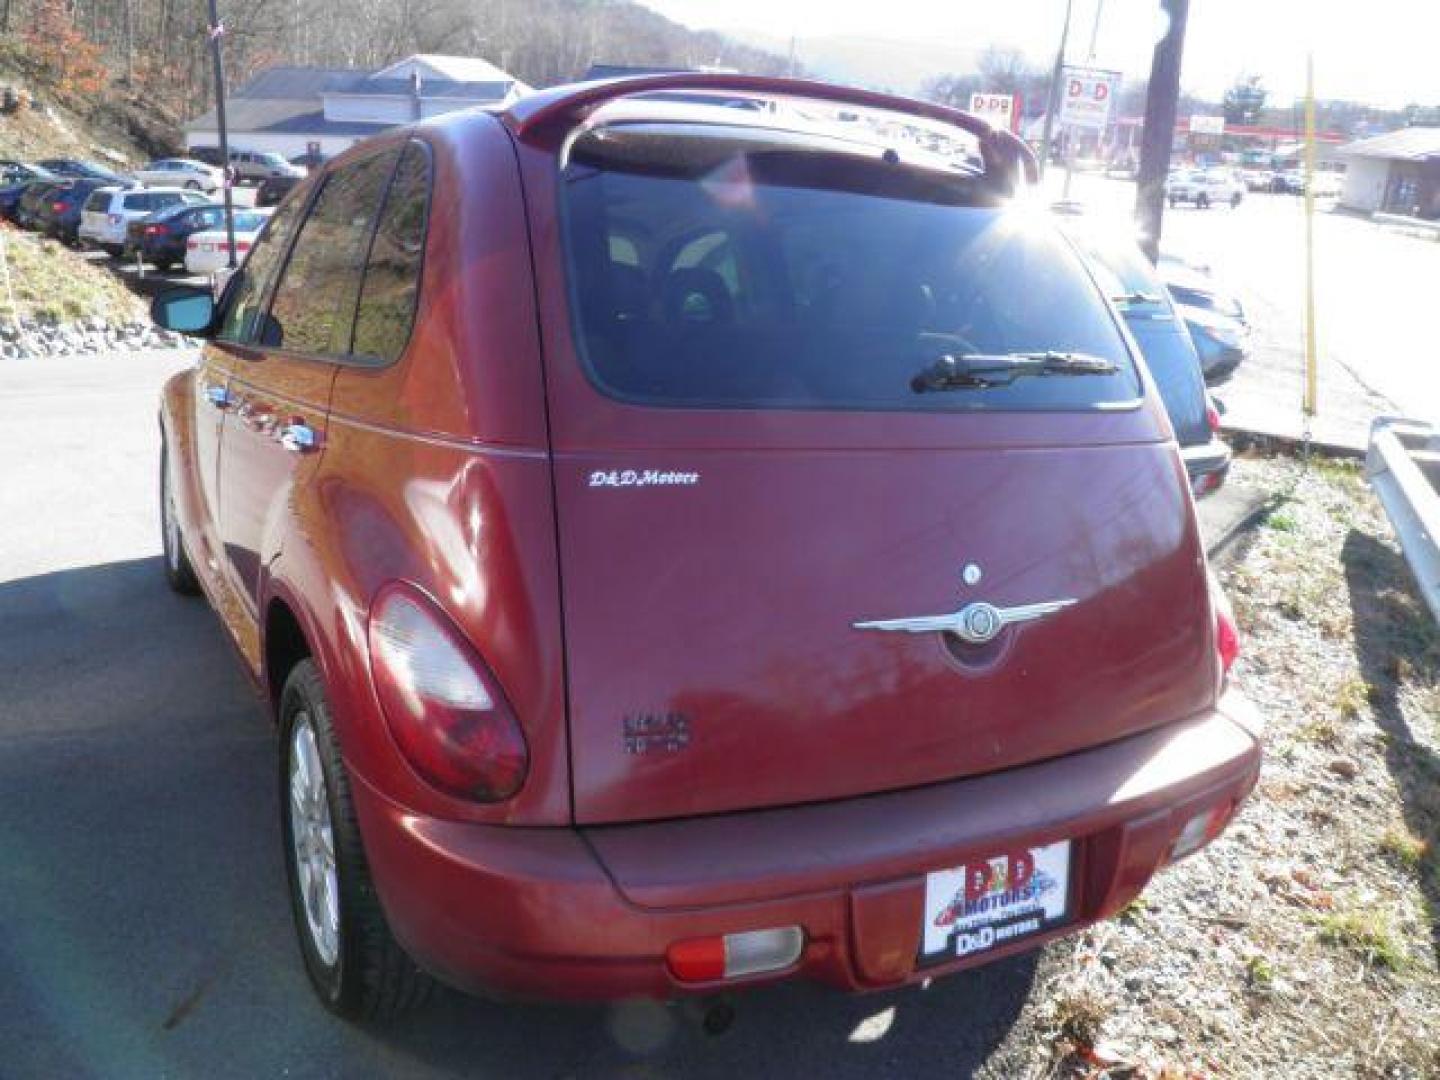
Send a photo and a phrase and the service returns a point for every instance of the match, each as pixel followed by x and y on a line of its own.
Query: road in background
pixel 1377 322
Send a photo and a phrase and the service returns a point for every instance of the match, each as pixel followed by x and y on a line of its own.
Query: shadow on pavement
pixel 1397 641
pixel 144 929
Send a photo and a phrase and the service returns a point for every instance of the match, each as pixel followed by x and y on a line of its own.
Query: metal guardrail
pixel 1403 466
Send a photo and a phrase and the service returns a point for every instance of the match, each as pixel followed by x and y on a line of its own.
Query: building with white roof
pixel 298 110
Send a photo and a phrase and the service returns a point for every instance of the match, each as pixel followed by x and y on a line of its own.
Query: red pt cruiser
pixel 695 531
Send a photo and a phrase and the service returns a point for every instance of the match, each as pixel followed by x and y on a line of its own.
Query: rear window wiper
pixel 983 370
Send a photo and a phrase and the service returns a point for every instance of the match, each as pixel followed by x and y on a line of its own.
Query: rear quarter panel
pixel 436 471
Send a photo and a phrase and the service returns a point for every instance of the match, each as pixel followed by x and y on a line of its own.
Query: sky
pixel 1383 52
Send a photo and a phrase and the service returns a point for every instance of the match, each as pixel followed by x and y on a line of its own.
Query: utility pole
pixel 217 32
pixel 1310 403
pixel 1095 28
pixel 1161 105
pixel 1052 100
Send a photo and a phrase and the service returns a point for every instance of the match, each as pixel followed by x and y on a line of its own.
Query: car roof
pixel 221 231
pixel 184 208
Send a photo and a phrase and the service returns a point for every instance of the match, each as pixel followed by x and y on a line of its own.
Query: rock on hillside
pixel 120 130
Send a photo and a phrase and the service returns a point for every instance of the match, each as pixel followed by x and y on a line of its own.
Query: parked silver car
pixel 257 165
pixel 181 173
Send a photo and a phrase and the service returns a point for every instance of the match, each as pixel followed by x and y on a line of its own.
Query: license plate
pixel 995 900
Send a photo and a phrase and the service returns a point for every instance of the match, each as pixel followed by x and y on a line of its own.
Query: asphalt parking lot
pixel 144 930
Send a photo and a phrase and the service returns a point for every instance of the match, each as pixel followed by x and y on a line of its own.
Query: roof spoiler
pixel 546 117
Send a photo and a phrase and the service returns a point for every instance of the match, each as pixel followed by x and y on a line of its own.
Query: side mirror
pixel 185 310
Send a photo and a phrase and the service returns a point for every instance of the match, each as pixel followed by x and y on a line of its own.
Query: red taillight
pixel 156 230
pixel 1212 417
pixel 697 960
pixel 57 207
pixel 1227 634
pixel 447 713
pixel 734 956
pixel 1227 641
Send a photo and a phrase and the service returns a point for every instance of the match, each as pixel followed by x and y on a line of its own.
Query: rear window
pixel 99 201
pixel 743 267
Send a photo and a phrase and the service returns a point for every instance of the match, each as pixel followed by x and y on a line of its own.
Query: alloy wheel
pixel 314 842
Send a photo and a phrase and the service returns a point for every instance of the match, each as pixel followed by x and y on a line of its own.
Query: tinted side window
pixel 314 306
pixel 245 296
pixel 392 275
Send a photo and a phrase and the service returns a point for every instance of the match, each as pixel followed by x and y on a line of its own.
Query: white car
pixel 208 252
pixel 1204 187
pixel 181 173
pixel 1328 185
pixel 108 211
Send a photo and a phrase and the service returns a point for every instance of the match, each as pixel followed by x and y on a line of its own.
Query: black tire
pixel 178 571
pixel 370 977
pixel 1202 201
pixel 192 185
pixel 1234 201
pixel 164 264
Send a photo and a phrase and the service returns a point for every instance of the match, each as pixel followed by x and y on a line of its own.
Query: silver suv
pixel 257 165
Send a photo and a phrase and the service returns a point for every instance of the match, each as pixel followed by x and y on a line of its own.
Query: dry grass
pixel 1304 942
pixel 1368 933
pixel 51 282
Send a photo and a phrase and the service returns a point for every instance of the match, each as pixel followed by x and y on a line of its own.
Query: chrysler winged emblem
pixel 977 623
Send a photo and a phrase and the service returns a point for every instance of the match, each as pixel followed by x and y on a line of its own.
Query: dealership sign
pixel 997 110
pixel 1087 97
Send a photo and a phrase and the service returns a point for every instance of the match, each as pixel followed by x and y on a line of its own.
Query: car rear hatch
pixel 769 476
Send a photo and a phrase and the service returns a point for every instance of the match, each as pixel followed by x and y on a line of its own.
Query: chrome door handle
pixel 218 396
pixel 297 437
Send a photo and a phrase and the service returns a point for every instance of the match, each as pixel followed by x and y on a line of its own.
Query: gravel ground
pixel 1304 942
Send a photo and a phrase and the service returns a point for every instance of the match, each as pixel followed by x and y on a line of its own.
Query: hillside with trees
pixel 85 54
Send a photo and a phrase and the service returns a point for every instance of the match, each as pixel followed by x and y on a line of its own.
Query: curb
pixel 1245 439
pixel 1219 549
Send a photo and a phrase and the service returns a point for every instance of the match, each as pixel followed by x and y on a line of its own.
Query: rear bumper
pixel 1219 364
pixel 589 912
pixel 1207 464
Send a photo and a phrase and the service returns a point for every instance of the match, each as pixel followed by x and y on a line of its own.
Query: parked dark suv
pixel 1168 350
pixel 687 546
pixel 15 177
pixel 59 214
